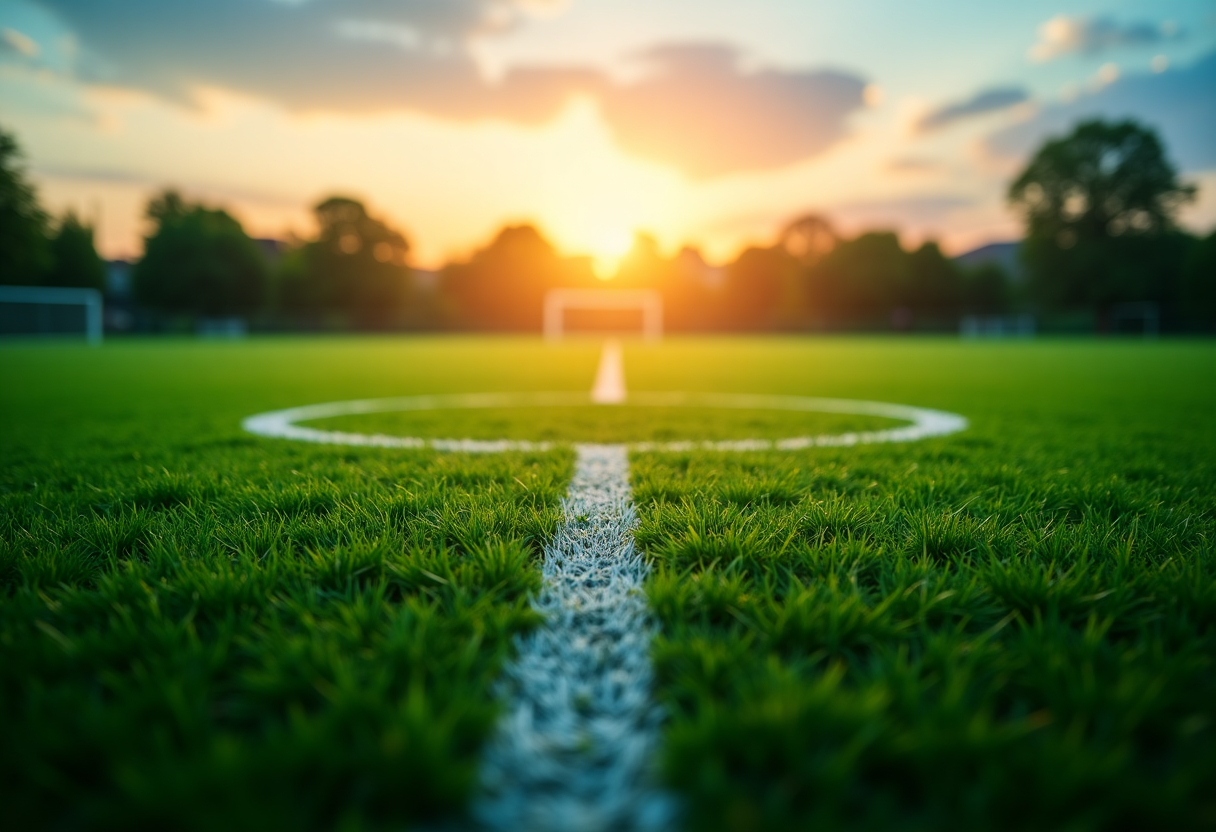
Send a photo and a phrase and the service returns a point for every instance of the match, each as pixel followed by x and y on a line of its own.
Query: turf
pixel 618 423
pixel 1011 628
pixel 1007 628
pixel 201 629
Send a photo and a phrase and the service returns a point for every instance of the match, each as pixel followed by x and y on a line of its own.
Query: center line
pixel 576 750
pixel 609 387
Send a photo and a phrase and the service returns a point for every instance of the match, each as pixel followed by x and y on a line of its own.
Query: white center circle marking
pixel 576 746
pixel 924 423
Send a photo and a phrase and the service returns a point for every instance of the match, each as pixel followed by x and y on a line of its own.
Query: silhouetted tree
pixel 694 297
pixel 985 290
pixel 1199 281
pixel 198 261
pixel 23 224
pixel 1100 207
pixel 73 258
pixel 861 280
pixel 643 265
pixel 355 268
pixel 502 286
pixel 761 290
pixel 934 287
pixel 809 238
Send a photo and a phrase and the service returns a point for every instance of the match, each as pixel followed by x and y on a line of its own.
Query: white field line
pixel 609 387
pixel 577 747
pixel 924 423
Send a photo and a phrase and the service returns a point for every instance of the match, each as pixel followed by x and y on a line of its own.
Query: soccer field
pixel 1008 627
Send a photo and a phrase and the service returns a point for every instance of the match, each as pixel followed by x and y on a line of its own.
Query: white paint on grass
pixel 923 422
pixel 283 424
pixel 609 387
pixel 576 749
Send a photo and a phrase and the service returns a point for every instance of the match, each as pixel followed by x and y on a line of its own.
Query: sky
pixel 701 122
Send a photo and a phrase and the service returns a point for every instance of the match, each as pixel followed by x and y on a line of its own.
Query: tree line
pixel 199 262
pixel 1100 207
pixel 35 248
pixel 859 282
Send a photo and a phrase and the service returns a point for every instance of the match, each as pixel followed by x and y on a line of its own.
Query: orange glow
pixel 608 247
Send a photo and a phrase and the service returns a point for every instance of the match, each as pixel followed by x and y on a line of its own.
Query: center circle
pixel 919 423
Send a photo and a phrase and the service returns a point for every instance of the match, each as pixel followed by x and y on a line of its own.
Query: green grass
pixel 202 629
pixel 592 423
pixel 1009 628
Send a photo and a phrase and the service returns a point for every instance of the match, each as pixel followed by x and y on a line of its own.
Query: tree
pixel 760 290
pixel 808 238
pixel 642 265
pixel 1100 207
pixel 198 261
pixel 861 280
pixel 73 258
pixel 935 283
pixel 355 268
pixel 985 289
pixel 1199 281
pixel 23 223
pixel 502 286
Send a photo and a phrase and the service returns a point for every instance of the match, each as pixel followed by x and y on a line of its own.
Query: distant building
pixel 1005 255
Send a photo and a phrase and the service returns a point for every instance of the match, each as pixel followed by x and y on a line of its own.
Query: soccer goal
pixel 46 311
pixel 558 302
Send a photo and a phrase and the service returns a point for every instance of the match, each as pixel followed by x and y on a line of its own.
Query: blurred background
pixel 425 165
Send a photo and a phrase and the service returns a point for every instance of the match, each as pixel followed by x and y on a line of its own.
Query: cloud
pixel 912 211
pixel 1180 104
pixel 1063 35
pixel 542 8
pixel 154 182
pixel 983 102
pixel 697 106
pixel 913 164
pixel 345 55
pixel 696 109
pixel 108 176
pixel 13 41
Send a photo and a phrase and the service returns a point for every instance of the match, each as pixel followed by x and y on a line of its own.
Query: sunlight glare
pixel 608 249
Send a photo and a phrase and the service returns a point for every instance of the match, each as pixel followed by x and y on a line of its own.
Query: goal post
pixel 647 301
pixel 43 311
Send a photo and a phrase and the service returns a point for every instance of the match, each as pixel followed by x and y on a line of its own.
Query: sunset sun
pixel 608 247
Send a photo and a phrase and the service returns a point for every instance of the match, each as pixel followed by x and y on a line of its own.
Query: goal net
pixel 600 310
pixel 45 311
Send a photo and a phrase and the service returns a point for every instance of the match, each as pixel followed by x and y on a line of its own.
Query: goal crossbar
pixel 650 302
